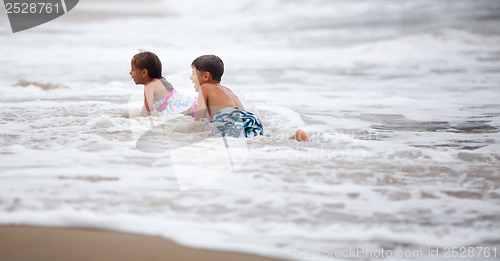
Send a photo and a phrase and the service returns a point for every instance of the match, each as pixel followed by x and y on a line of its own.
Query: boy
pixel 219 104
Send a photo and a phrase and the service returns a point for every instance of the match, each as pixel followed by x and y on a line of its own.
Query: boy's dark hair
pixel 210 63
pixel 148 61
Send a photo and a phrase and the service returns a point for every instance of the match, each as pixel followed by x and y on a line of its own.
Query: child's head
pixel 211 64
pixel 145 67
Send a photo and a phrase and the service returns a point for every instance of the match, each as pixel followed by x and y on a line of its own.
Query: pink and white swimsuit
pixel 174 103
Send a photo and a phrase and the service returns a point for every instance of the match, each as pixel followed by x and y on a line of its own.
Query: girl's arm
pixel 192 110
pixel 189 111
pixel 145 112
pixel 201 108
pixel 148 101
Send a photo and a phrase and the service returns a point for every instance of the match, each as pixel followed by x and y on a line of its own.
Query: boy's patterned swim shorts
pixel 233 122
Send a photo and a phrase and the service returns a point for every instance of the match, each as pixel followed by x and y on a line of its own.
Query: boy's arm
pixel 201 108
pixel 148 101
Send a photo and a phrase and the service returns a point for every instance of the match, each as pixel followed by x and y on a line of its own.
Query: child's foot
pixel 300 135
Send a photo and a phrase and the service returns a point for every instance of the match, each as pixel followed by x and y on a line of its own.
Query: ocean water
pixel 401 99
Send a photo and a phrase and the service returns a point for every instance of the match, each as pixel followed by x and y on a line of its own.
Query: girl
pixel 159 95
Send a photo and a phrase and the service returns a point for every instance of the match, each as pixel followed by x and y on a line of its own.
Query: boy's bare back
pixel 217 97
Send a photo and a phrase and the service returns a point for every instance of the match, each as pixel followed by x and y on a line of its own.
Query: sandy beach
pixel 43 243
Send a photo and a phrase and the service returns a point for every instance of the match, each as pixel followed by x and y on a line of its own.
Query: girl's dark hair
pixel 210 63
pixel 148 61
pixel 167 84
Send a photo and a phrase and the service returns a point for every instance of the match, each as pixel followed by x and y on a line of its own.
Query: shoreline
pixel 54 243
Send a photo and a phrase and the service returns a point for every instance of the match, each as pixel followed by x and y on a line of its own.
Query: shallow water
pixel 401 100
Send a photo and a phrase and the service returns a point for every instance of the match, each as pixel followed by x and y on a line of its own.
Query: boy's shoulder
pixel 210 87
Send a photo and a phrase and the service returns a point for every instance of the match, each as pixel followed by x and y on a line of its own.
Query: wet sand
pixel 43 243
